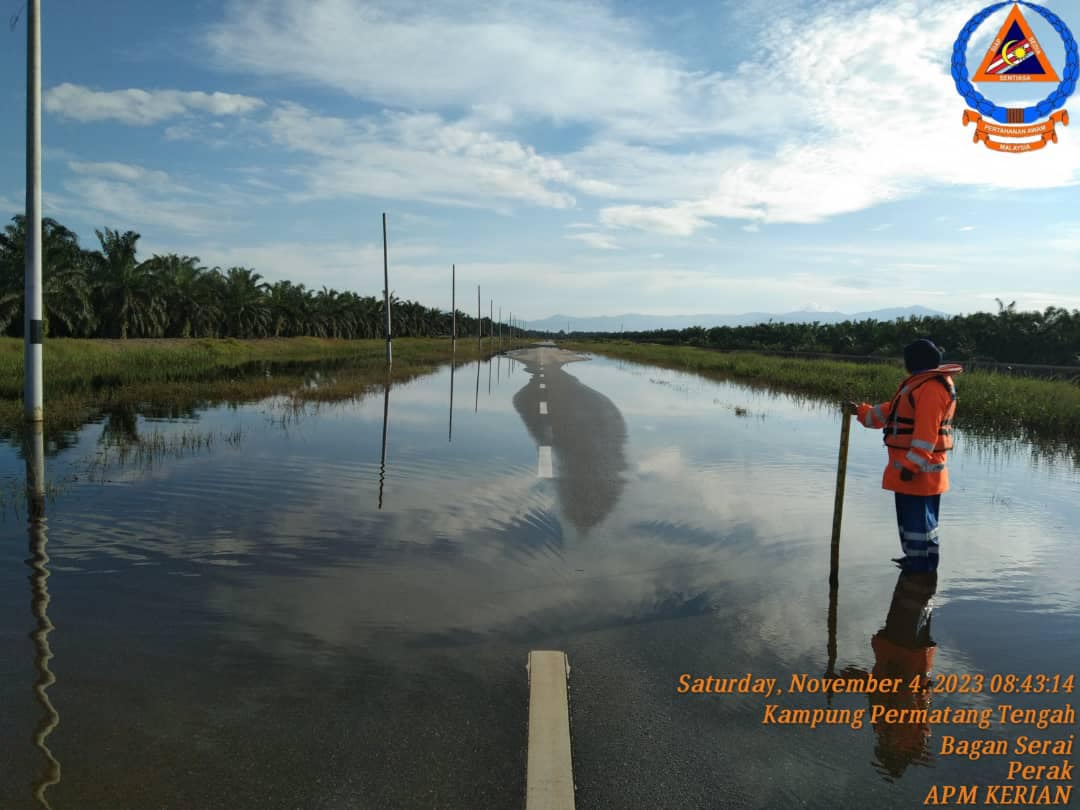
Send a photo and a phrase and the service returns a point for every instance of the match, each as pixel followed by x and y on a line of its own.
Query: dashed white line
pixel 542 385
pixel 549 780
pixel 543 408
pixel 543 465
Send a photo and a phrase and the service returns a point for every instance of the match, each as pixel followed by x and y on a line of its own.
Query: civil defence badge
pixel 1016 57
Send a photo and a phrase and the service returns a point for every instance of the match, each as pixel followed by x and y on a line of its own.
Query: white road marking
pixel 542 385
pixel 543 408
pixel 543 465
pixel 549 781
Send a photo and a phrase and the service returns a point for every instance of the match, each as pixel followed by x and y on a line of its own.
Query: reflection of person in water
pixel 904 649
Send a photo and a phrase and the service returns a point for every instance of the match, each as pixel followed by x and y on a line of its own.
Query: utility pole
pixel 33 384
pixel 453 307
pixel 479 327
pixel 500 329
pixel 491 321
pixel 386 291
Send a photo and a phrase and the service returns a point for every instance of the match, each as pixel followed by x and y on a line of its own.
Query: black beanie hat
pixel 921 355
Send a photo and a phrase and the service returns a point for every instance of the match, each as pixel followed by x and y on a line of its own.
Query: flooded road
pixel 335 608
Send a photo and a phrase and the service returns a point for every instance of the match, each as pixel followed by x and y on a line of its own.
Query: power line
pixel 14 19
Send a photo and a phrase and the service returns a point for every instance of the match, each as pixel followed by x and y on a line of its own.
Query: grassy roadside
pixel 85 378
pixel 1043 410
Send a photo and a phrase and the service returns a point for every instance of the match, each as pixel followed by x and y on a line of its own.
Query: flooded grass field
pixel 330 604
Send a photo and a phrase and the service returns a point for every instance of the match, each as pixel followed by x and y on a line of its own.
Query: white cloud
pixel 677 221
pixel 556 59
pixel 125 205
pixel 969 228
pixel 339 265
pixel 840 161
pixel 601 241
pixel 125 172
pixel 141 107
pixel 131 196
pixel 1028 300
pixel 420 157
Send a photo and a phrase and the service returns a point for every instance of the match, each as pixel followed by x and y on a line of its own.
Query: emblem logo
pixel 1015 57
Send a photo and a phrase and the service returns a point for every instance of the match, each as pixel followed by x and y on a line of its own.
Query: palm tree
pixel 290 309
pixel 246 311
pixel 190 297
pixel 336 313
pixel 127 294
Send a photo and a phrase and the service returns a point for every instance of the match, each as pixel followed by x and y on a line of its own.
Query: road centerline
pixel 543 463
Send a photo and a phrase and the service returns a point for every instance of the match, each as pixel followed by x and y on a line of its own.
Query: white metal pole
pixel 33 384
pixel 386 291
pixel 453 305
pixel 479 328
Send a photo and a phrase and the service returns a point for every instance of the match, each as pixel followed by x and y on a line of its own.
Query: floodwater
pixel 334 608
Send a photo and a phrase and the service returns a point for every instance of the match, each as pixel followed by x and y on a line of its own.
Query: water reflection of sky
pixel 714 555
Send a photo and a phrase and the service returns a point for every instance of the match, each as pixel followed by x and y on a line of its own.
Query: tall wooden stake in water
pixel 33 388
pixel 453 306
pixel 386 291
pixel 838 504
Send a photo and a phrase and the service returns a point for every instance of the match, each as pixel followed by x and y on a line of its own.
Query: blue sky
pixel 587 158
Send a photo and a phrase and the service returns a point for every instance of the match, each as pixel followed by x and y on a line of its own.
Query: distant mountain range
pixel 635 322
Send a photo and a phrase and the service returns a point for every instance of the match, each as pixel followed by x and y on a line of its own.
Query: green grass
pixel 86 378
pixel 75 366
pixel 1044 411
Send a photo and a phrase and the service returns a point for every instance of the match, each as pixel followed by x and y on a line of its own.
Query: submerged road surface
pixel 580 430
pixel 337 610
pixel 638 743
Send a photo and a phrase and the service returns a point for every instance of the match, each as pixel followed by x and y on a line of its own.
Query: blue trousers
pixel 917 517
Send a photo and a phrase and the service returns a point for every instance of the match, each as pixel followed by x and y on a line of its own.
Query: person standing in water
pixel 917 427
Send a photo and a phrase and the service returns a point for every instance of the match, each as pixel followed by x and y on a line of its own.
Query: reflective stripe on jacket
pixel 917 427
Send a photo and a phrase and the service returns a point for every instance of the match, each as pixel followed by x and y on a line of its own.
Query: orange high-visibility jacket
pixel 917 425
